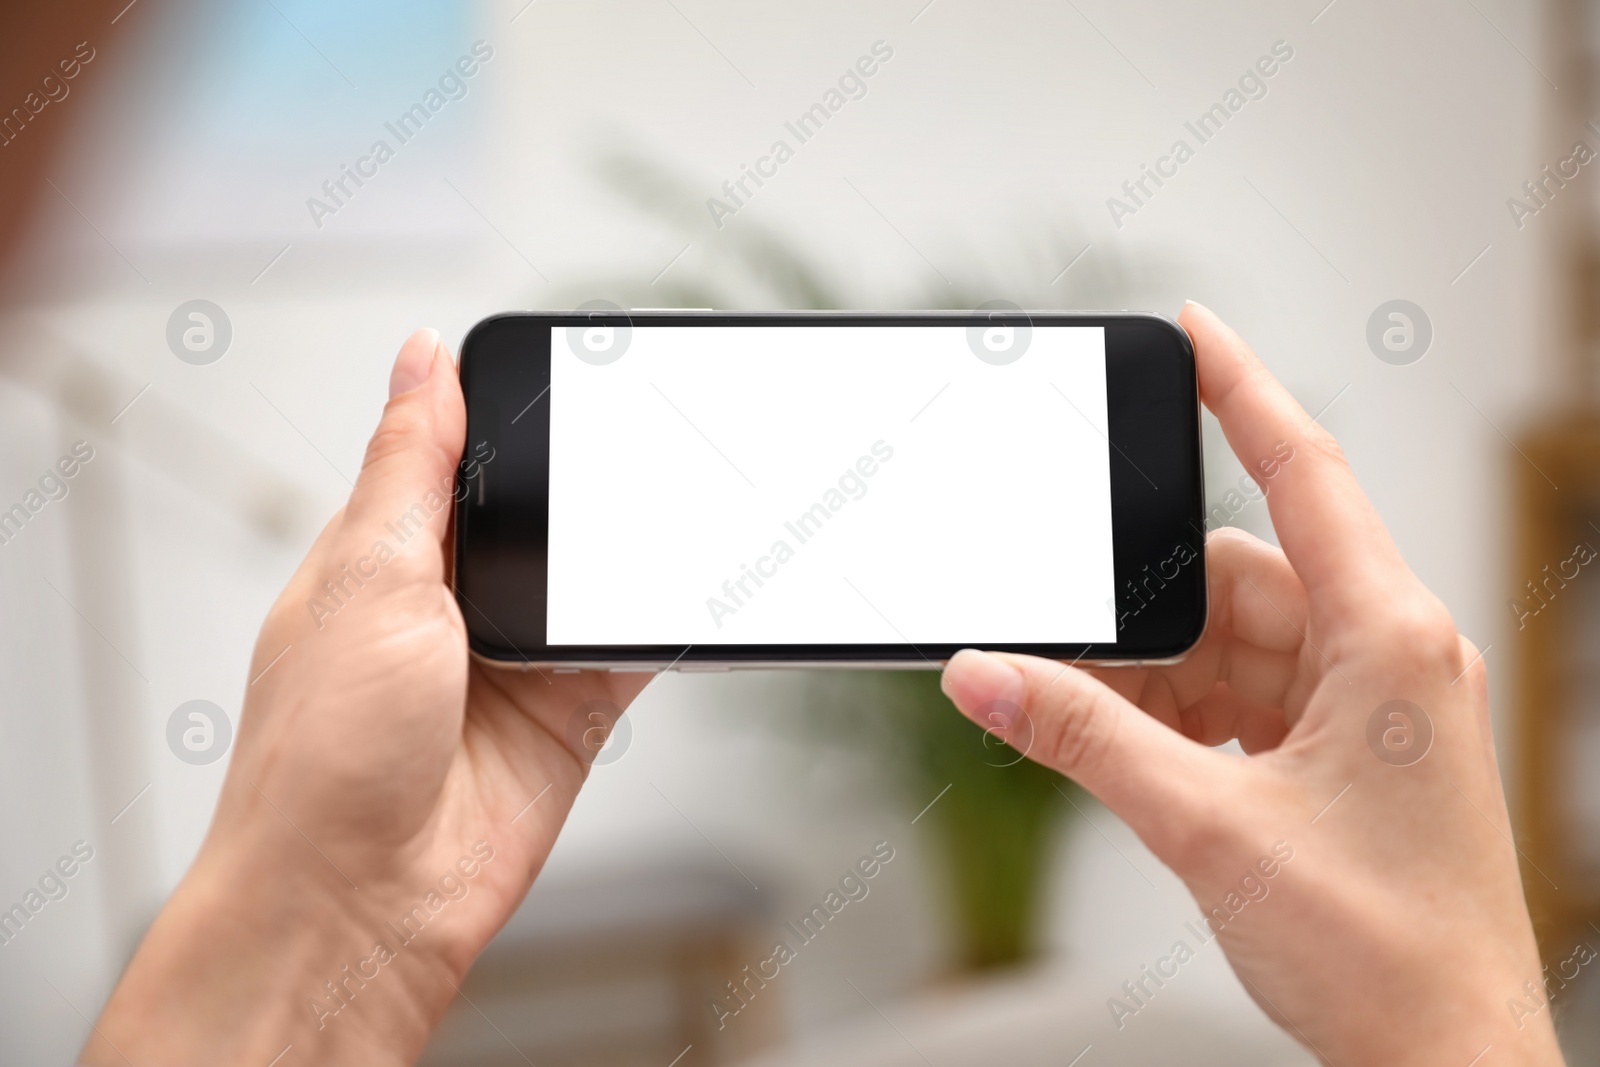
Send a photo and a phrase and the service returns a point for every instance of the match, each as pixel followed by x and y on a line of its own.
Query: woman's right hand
pixel 1358 865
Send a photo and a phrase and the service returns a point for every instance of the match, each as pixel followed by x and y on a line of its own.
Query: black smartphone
pixel 703 490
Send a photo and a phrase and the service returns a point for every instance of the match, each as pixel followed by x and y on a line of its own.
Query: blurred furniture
pixel 1555 623
pixel 1054 1016
pixel 1555 603
pixel 616 967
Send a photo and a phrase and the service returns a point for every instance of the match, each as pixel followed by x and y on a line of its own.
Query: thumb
pixel 407 479
pixel 1158 781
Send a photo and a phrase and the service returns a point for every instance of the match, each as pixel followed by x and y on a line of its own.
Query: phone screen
pixel 840 484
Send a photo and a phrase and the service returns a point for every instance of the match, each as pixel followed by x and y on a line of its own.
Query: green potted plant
pixel 992 814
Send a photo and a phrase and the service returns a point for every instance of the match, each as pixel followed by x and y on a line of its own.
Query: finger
pixel 1150 776
pixel 1253 641
pixel 1219 715
pixel 403 494
pixel 1256 596
pixel 579 710
pixel 1328 528
pixel 1223 715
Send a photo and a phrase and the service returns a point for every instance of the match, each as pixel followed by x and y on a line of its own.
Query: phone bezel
pixel 1153 427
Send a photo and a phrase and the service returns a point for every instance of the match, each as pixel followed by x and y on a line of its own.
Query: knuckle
pixel 1196 844
pixel 1476 673
pixel 1230 540
pixel 284 619
pixel 1422 633
pixel 1325 446
pixel 1231 536
pixel 1076 731
pixel 395 433
pixel 1476 678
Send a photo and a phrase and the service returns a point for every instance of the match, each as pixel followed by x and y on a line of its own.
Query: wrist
pixel 1533 1045
pixel 1458 1016
pixel 238 967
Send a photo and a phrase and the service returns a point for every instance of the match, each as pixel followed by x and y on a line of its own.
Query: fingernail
pixel 978 682
pixel 415 361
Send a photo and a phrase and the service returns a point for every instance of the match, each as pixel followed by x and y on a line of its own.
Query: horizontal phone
pixel 702 490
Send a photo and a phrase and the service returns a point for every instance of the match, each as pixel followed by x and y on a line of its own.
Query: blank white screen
pixel 679 475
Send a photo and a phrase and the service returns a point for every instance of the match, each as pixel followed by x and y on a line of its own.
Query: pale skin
pixel 374 757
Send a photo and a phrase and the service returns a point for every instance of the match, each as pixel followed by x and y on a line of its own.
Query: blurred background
pixel 161 153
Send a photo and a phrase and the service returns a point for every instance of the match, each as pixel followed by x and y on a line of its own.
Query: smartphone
pixel 703 491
